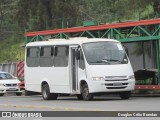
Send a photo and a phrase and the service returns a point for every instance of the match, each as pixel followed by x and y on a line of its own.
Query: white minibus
pixel 82 66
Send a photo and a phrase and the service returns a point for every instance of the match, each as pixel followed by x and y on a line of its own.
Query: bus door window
pixel 81 60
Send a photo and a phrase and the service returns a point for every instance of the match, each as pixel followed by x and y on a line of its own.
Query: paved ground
pixel 70 103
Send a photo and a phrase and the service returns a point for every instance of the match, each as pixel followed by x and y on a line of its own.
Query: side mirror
pixel 126 49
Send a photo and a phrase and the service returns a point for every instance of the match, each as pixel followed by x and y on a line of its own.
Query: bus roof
pixel 71 41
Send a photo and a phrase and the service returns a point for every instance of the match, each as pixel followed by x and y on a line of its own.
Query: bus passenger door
pixel 74 69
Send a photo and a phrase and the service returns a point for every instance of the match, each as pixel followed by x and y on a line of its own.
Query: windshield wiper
pixel 101 61
pixel 112 60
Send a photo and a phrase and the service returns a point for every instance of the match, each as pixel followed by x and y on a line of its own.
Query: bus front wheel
pixel 125 95
pixel 46 93
pixel 85 93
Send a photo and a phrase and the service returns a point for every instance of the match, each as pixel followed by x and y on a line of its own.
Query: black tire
pixel 85 93
pixel 125 95
pixel 79 96
pixel 46 93
pixel 18 94
pixel 1 94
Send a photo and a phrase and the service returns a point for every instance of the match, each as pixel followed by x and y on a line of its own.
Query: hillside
pixel 17 16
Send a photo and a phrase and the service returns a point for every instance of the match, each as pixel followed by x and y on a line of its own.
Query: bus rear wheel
pixel 46 93
pixel 125 95
pixel 85 93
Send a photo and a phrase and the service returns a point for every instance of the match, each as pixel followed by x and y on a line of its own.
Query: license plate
pixel 117 84
pixel 12 88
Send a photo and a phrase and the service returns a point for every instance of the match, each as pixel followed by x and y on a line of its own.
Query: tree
pixel 42 14
pixel 107 11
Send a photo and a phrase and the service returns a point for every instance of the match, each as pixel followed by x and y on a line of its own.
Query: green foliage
pixel 144 82
pixel 47 14
pixel 11 36
pixel 10 50
pixel 107 11
pixel 16 16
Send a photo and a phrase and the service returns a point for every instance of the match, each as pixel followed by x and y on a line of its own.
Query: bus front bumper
pixel 110 86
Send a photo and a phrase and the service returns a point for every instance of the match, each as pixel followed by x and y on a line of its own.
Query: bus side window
pixel 32 58
pixel 61 56
pixel 46 57
pixel 81 61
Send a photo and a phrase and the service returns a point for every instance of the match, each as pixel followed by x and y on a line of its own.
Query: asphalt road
pixel 70 103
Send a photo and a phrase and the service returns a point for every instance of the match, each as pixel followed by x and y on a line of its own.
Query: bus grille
pixel 112 84
pixel 116 78
pixel 116 87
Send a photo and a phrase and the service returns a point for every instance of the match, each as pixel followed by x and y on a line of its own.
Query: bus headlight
pixel 97 78
pixel 131 77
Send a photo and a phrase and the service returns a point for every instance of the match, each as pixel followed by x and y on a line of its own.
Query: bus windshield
pixel 105 53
